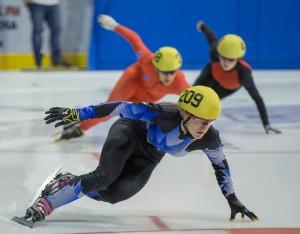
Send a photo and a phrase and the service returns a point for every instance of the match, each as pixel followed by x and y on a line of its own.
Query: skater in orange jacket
pixel 148 80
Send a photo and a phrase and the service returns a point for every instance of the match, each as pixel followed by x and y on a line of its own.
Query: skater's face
pixel 166 78
pixel 227 64
pixel 198 126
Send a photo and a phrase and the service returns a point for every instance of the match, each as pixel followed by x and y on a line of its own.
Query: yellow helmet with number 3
pixel 232 46
pixel 167 59
pixel 200 101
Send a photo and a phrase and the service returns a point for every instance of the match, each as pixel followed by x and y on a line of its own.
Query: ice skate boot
pixel 42 206
pixel 69 132
pixel 35 212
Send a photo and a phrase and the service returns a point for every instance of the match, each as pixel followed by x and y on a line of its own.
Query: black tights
pixel 126 164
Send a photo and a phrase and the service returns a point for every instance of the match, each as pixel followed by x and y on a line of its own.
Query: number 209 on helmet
pixel 200 101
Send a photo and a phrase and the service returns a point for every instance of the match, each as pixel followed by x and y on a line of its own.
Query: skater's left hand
pixel 237 207
pixel 107 22
pixel 66 115
pixel 270 129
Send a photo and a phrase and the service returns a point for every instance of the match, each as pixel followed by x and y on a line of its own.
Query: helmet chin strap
pixel 185 129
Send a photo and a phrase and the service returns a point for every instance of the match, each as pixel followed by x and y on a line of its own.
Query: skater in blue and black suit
pixel 135 145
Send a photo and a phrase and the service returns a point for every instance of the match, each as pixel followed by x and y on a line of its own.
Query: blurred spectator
pixel 46 11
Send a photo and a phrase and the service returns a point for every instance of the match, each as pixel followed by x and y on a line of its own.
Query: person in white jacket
pixel 41 11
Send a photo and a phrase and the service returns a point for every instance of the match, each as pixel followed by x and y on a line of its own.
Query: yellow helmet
pixel 167 59
pixel 200 101
pixel 232 46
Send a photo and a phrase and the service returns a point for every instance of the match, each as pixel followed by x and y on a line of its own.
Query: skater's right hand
pixel 237 207
pixel 107 22
pixel 62 116
pixel 199 25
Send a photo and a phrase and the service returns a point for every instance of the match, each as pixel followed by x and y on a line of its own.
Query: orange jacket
pixel 143 74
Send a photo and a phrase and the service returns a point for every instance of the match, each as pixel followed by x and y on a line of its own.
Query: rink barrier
pixel 24 61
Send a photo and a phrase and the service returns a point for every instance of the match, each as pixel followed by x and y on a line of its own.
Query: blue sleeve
pixel 137 111
pixel 222 171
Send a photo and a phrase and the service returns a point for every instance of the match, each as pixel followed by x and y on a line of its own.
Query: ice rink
pixel 182 196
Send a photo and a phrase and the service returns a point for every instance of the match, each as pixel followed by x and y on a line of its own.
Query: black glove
pixel 270 129
pixel 237 207
pixel 66 115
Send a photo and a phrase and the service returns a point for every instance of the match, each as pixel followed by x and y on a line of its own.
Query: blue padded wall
pixel 269 27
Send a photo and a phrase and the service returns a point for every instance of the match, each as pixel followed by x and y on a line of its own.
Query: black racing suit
pixel 226 83
pixel 134 146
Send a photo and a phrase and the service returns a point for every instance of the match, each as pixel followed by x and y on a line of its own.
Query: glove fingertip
pixel 47 117
pixel 49 121
pixel 254 218
pixel 57 124
pixel 232 216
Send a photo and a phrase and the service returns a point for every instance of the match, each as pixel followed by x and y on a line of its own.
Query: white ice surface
pixel 182 193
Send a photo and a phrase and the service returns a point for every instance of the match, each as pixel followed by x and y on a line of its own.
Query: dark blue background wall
pixel 271 29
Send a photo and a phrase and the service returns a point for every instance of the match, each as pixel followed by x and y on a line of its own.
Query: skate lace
pixel 65 181
pixel 57 183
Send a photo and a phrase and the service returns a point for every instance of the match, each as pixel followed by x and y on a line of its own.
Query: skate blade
pixel 23 221
pixel 42 187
